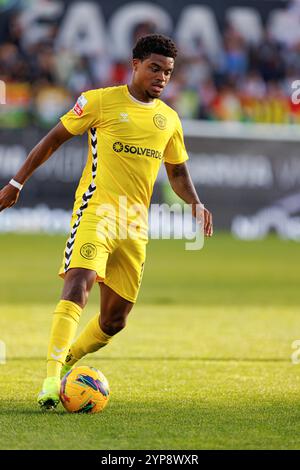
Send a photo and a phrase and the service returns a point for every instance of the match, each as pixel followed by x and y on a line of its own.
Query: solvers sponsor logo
pixel 127 148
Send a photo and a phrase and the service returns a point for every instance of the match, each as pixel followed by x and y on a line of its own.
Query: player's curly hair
pixel 154 44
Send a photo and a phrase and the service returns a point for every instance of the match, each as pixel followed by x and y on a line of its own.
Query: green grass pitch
pixel 204 362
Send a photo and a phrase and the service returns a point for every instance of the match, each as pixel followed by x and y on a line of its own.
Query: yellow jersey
pixel 128 141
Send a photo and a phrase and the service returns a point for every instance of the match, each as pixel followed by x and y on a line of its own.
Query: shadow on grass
pixel 30 411
pixel 162 358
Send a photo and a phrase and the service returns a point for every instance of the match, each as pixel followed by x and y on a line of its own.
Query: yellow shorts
pixel 119 263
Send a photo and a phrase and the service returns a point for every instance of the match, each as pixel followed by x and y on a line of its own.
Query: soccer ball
pixel 84 390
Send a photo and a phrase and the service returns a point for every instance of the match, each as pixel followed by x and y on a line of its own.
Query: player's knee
pixel 78 294
pixel 112 326
pixel 77 288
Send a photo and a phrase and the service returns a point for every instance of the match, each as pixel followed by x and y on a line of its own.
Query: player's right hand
pixel 8 196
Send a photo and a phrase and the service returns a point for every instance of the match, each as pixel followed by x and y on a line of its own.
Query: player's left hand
pixel 204 218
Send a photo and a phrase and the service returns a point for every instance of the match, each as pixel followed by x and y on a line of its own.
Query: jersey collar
pixel 141 103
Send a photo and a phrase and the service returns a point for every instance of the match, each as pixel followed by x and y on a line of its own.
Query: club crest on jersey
pixel 160 121
pixel 80 104
pixel 88 251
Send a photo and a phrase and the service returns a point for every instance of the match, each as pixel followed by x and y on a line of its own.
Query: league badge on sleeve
pixel 78 108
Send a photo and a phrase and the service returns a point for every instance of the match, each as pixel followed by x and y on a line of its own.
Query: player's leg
pixel 77 285
pixel 84 260
pixel 114 310
pixel 101 328
pixel 119 291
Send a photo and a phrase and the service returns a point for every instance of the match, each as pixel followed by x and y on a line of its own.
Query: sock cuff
pixel 69 308
pixel 99 333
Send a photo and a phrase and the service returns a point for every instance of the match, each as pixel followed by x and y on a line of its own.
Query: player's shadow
pixel 171 358
pixel 35 410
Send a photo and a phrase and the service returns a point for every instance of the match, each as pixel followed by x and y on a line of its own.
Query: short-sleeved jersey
pixel 128 140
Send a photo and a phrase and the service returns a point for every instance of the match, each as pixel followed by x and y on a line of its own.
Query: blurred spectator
pixel 235 56
pixel 269 58
pixel 142 29
pixel 227 105
pixel 253 86
pixel 50 103
pixel 119 73
pixel 208 95
pixel 81 78
pixel 12 66
pixel 248 83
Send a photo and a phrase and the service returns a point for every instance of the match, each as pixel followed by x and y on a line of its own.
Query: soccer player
pixel 130 132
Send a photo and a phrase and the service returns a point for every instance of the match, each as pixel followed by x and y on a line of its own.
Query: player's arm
pixel 38 155
pixel 182 184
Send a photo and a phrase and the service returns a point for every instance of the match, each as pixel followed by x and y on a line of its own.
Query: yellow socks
pixel 90 340
pixel 64 325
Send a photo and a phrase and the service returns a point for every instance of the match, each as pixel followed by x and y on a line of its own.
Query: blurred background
pixel 206 361
pixel 238 66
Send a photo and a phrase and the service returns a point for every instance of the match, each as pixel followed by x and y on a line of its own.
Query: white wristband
pixel 17 185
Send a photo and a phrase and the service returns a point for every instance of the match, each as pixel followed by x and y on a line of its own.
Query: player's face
pixel 153 74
